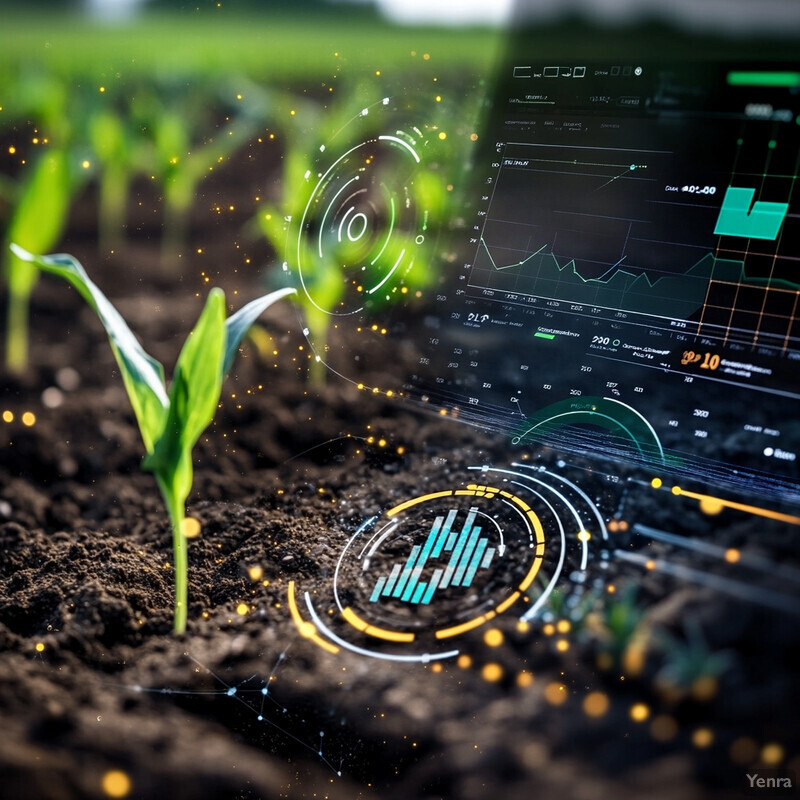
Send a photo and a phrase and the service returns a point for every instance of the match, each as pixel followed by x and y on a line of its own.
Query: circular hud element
pixel 413 579
pixel 361 229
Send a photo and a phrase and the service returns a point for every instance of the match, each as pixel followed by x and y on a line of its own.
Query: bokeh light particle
pixel 663 728
pixel 772 753
pixel 639 712
pixel 493 637
pixel 116 783
pixel 556 694
pixel 595 704
pixel 190 527
pixel 702 737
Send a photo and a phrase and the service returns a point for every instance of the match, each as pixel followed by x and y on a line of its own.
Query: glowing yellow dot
pixel 732 555
pixel 438 98
pixel 473 137
pixel 595 704
pixel 639 712
pixel 584 536
pixel 39 647
pixel 442 135
pixel 8 416
pixel 190 527
pixel 12 149
pixel 116 783
pixel 292 112
pixel 556 694
pixel 242 609
pixel 711 506
pixel 437 667
pixel 29 419
pixel 704 688
pixel 611 588
pixel 493 637
pixel 255 573
pixel 238 96
pixel 676 490
pixel 744 750
pixel 381 442
pixel 563 626
pixel 663 728
pixel 549 629
pixel 651 565
pixel 562 645
pixel 35 140
pixel 772 753
pixel 656 483
pixel 377 72
pixel 524 679
pixel 523 627
pixel 492 673
pixel 702 737
pixel 102 89
pixel 86 163
pixel 426 56
pixel 464 661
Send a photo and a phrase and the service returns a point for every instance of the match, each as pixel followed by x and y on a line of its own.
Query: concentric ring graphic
pixel 413 579
pixel 362 226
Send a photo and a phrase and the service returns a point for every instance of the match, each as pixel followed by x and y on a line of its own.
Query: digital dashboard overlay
pixel 631 280
pixel 626 276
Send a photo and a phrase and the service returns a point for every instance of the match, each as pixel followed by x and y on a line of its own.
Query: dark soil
pixel 93 680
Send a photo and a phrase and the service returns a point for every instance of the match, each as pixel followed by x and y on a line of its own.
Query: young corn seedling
pixel 170 421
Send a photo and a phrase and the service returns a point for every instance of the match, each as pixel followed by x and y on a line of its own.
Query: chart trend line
pixel 671 295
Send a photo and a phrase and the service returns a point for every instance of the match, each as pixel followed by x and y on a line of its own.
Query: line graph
pixel 667 295
pixel 577 225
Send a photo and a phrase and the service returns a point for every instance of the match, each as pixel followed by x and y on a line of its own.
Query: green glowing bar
pixel 420 591
pixel 437 576
pixel 430 541
pixel 376 592
pixel 393 576
pixel 473 564
pixel 784 80
pixel 737 218
pixel 412 583
pixel 539 335
pixel 465 557
pixel 448 523
pixel 409 568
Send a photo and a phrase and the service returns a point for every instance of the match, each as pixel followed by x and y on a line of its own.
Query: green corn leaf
pixel 237 325
pixel 142 374
pixel 193 398
pixel 39 217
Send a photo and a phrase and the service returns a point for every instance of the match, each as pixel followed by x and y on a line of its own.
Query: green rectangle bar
pixel 780 79
pixel 544 335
